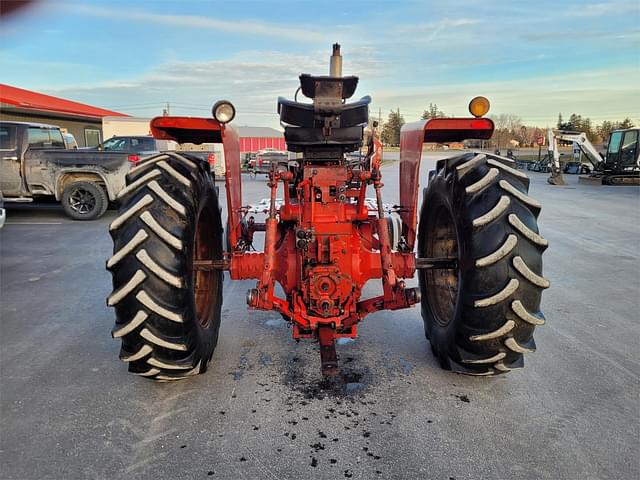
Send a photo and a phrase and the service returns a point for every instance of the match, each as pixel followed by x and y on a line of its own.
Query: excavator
pixel 620 165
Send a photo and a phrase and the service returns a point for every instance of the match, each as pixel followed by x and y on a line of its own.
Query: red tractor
pixel 478 254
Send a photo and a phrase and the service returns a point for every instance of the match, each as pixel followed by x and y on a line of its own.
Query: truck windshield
pixel 115 144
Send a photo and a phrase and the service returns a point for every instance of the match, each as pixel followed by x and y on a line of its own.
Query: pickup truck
pixel 263 160
pixel 35 162
pixel 136 147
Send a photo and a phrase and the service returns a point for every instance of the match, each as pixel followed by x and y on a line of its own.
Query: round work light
pixel 223 111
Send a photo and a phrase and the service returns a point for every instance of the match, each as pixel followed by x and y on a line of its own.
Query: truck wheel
pixel 84 201
pixel 480 315
pixel 167 312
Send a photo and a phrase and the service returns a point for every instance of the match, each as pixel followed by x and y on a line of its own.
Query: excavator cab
pixel 623 152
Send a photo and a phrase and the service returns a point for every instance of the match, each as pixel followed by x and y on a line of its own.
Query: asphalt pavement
pixel 69 409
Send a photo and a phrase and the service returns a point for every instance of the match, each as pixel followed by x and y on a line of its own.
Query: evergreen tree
pixel 574 123
pixel 391 129
pixel 432 112
pixel 626 123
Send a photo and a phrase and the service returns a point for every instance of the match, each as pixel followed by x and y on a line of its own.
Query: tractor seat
pixel 304 115
pixel 303 125
pixel 299 139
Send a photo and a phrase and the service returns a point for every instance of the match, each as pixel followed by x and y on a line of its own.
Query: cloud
pixel 244 27
pixel 603 8
pixel 402 60
pixel 252 80
pixel 438 24
pixel 426 34
pixel 536 99
pixel 560 35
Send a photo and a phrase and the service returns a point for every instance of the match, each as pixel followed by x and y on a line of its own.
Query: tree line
pixel 510 130
pixel 595 133
pixel 391 128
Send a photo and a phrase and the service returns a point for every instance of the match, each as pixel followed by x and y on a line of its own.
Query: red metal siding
pixel 254 144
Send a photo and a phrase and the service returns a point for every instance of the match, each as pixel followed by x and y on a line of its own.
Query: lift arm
pixel 578 138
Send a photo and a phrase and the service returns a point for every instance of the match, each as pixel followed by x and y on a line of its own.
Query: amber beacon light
pixel 479 106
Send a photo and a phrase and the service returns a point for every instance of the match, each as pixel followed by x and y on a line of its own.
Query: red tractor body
pixel 477 252
pixel 323 244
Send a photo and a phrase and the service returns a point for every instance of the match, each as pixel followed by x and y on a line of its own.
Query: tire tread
pixel 500 265
pixel 153 240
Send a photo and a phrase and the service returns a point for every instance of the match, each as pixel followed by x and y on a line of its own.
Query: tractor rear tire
pixel 167 313
pixel 480 316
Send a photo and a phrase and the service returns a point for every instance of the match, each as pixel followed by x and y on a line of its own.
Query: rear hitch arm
pixel 328 355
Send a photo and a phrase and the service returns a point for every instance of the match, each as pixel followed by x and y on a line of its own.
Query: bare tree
pixel 507 128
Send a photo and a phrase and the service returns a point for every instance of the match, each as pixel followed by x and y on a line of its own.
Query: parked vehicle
pixel 137 128
pixel 214 159
pixel 263 160
pixel 3 212
pixel 576 168
pixel 34 162
pixel 247 160
pixel 620 165
pixel 136 147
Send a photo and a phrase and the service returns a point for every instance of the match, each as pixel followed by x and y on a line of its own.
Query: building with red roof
pixel 83 121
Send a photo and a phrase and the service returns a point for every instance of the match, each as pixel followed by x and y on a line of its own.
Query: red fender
pixel 412 138
pixel 208 130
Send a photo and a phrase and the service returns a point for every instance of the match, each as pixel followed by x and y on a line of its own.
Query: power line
pixel 127 105
pixel 410 114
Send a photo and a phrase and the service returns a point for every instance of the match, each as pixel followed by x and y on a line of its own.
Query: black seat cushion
pixel 303 114
pixel 298 138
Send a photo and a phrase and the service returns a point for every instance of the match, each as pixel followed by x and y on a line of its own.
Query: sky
pixel 534 59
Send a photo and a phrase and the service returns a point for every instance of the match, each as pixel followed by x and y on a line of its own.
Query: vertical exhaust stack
pixel 335 63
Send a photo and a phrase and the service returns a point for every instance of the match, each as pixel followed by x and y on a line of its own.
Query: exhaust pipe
pixel 335 63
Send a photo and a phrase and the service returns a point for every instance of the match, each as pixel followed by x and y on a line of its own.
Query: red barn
pixel 253 139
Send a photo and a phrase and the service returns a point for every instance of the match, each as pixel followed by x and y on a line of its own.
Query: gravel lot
pixel 69 410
